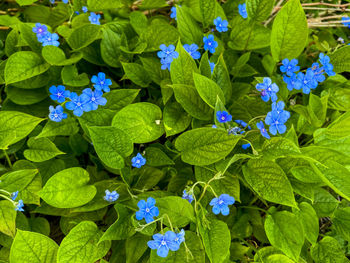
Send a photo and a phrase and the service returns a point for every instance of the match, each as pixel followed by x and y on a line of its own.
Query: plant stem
pixel 8 159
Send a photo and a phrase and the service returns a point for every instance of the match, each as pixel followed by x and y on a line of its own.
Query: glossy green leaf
pixel 41 150
pixel 259 10
pixel 68 188
pixel 289 31
pixel 137 74
pixel 82 245
pixel 55 56
pixel 176 120
pixel 328 250
pixel 269 181
pixel 205 146
pixel 7 218
pixel 340 60
pixel 208 90
pixel 141 121
pixel 83 36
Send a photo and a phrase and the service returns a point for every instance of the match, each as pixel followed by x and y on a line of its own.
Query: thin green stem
pixel 8 159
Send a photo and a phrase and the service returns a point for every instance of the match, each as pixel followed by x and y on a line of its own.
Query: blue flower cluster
pixel 221 25
pixel 220 204
pixel 346 21
pixel 268 90
pixel 148 210
pixel 187 196
pixel 166 55
pixel 18 205
pixel 168 241
pixel 210 43
pixel 192 50
pixel 242 10
pixel 89 100
pixel 276 119
pixel 173 12
pixel 111 196
pixel 44 36
pixel 311 78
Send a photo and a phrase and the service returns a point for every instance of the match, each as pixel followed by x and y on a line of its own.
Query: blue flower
pixel 147 210
pixel 318 72
pixel 65 1
pixel 14 195
pixel 289 67
pixel 221 203
pixel 59 93
pixel 57 114
pixel 49 39
pixel 19 206
pixel 94 19
pixel 111 196
pixel 276 118
pixel 173 12
pixel 78 104
pixel 268 90
pixel 346 21
pixel 164 243
pixel 167 52
pixel 341 40
pixel 192 50
pixel 166 62
pixel 77 12
pixel 242 9
pixel 221 25
pixel 306 81
pixel 138 161
pixel 245 146
pixel 210 44
pixel 214 126
pixel 180 237
pixel 95 98
pixel 212 66
pixel 40 29
pixel 327 66
pixel 262 129
pixel 84 9
pixel 52 1
pixel 223 116
pixel 100 82
pixel 291 81
pixel 187 196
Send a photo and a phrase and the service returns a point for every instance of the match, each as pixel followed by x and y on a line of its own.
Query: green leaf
pixel 71 77
pixel 83 36
pixel 55 56
pixel 26 96
pixel 135 247
pixel 176 120
pixel 179 210
pixel 208 11
pixel 157 34
pixel 193 243
pixel 156 157
pixel 246 36
pixel 40 225
pixel 153 67
pixel 33 247
pixel 208 90
pixel 149 177
pixel 339 98
pixel 118 99
pixel 222 77
pixel 285 232
pixel 24 65
pixel 66 127
pixel 289 31
pixel 308 218
pixel 216 240
pixel 340 128
pixel 328 250
pixel 137 74
pixel 341 222
pixel 279 147
pixel 112 145
pixel 153 4
pixel 269 181
pixel 97 5
pixel 141 121
pixel 110 47
pixel 30 37
pixel 204 66
pixel 138 21
pixel 68 189
pixel 122 228
pixel 7 218
pixel 279 259
pixel 205 146
pixel 259 10
pixel 82 245
pixel 25 2
pixel 41 150
pixel 183 67
pixel 190 100
pixel 189 29
pixel 14 126
pixel 340 60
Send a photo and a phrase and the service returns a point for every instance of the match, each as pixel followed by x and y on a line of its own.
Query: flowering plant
pixel 174 131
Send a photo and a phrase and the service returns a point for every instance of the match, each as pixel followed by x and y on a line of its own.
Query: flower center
pixel 56 115
pixel 220 202
pixel 93 99
pixel 223 118
pixel 209 44
pixel 147 210
pixel 40 30
pixel 79 104
pixel 289 67
pixel 163 243
pixel 58 94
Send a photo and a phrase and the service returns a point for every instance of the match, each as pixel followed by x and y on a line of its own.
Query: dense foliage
pixel 174 131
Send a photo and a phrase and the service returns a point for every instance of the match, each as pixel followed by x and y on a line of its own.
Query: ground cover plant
pixel 174 131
